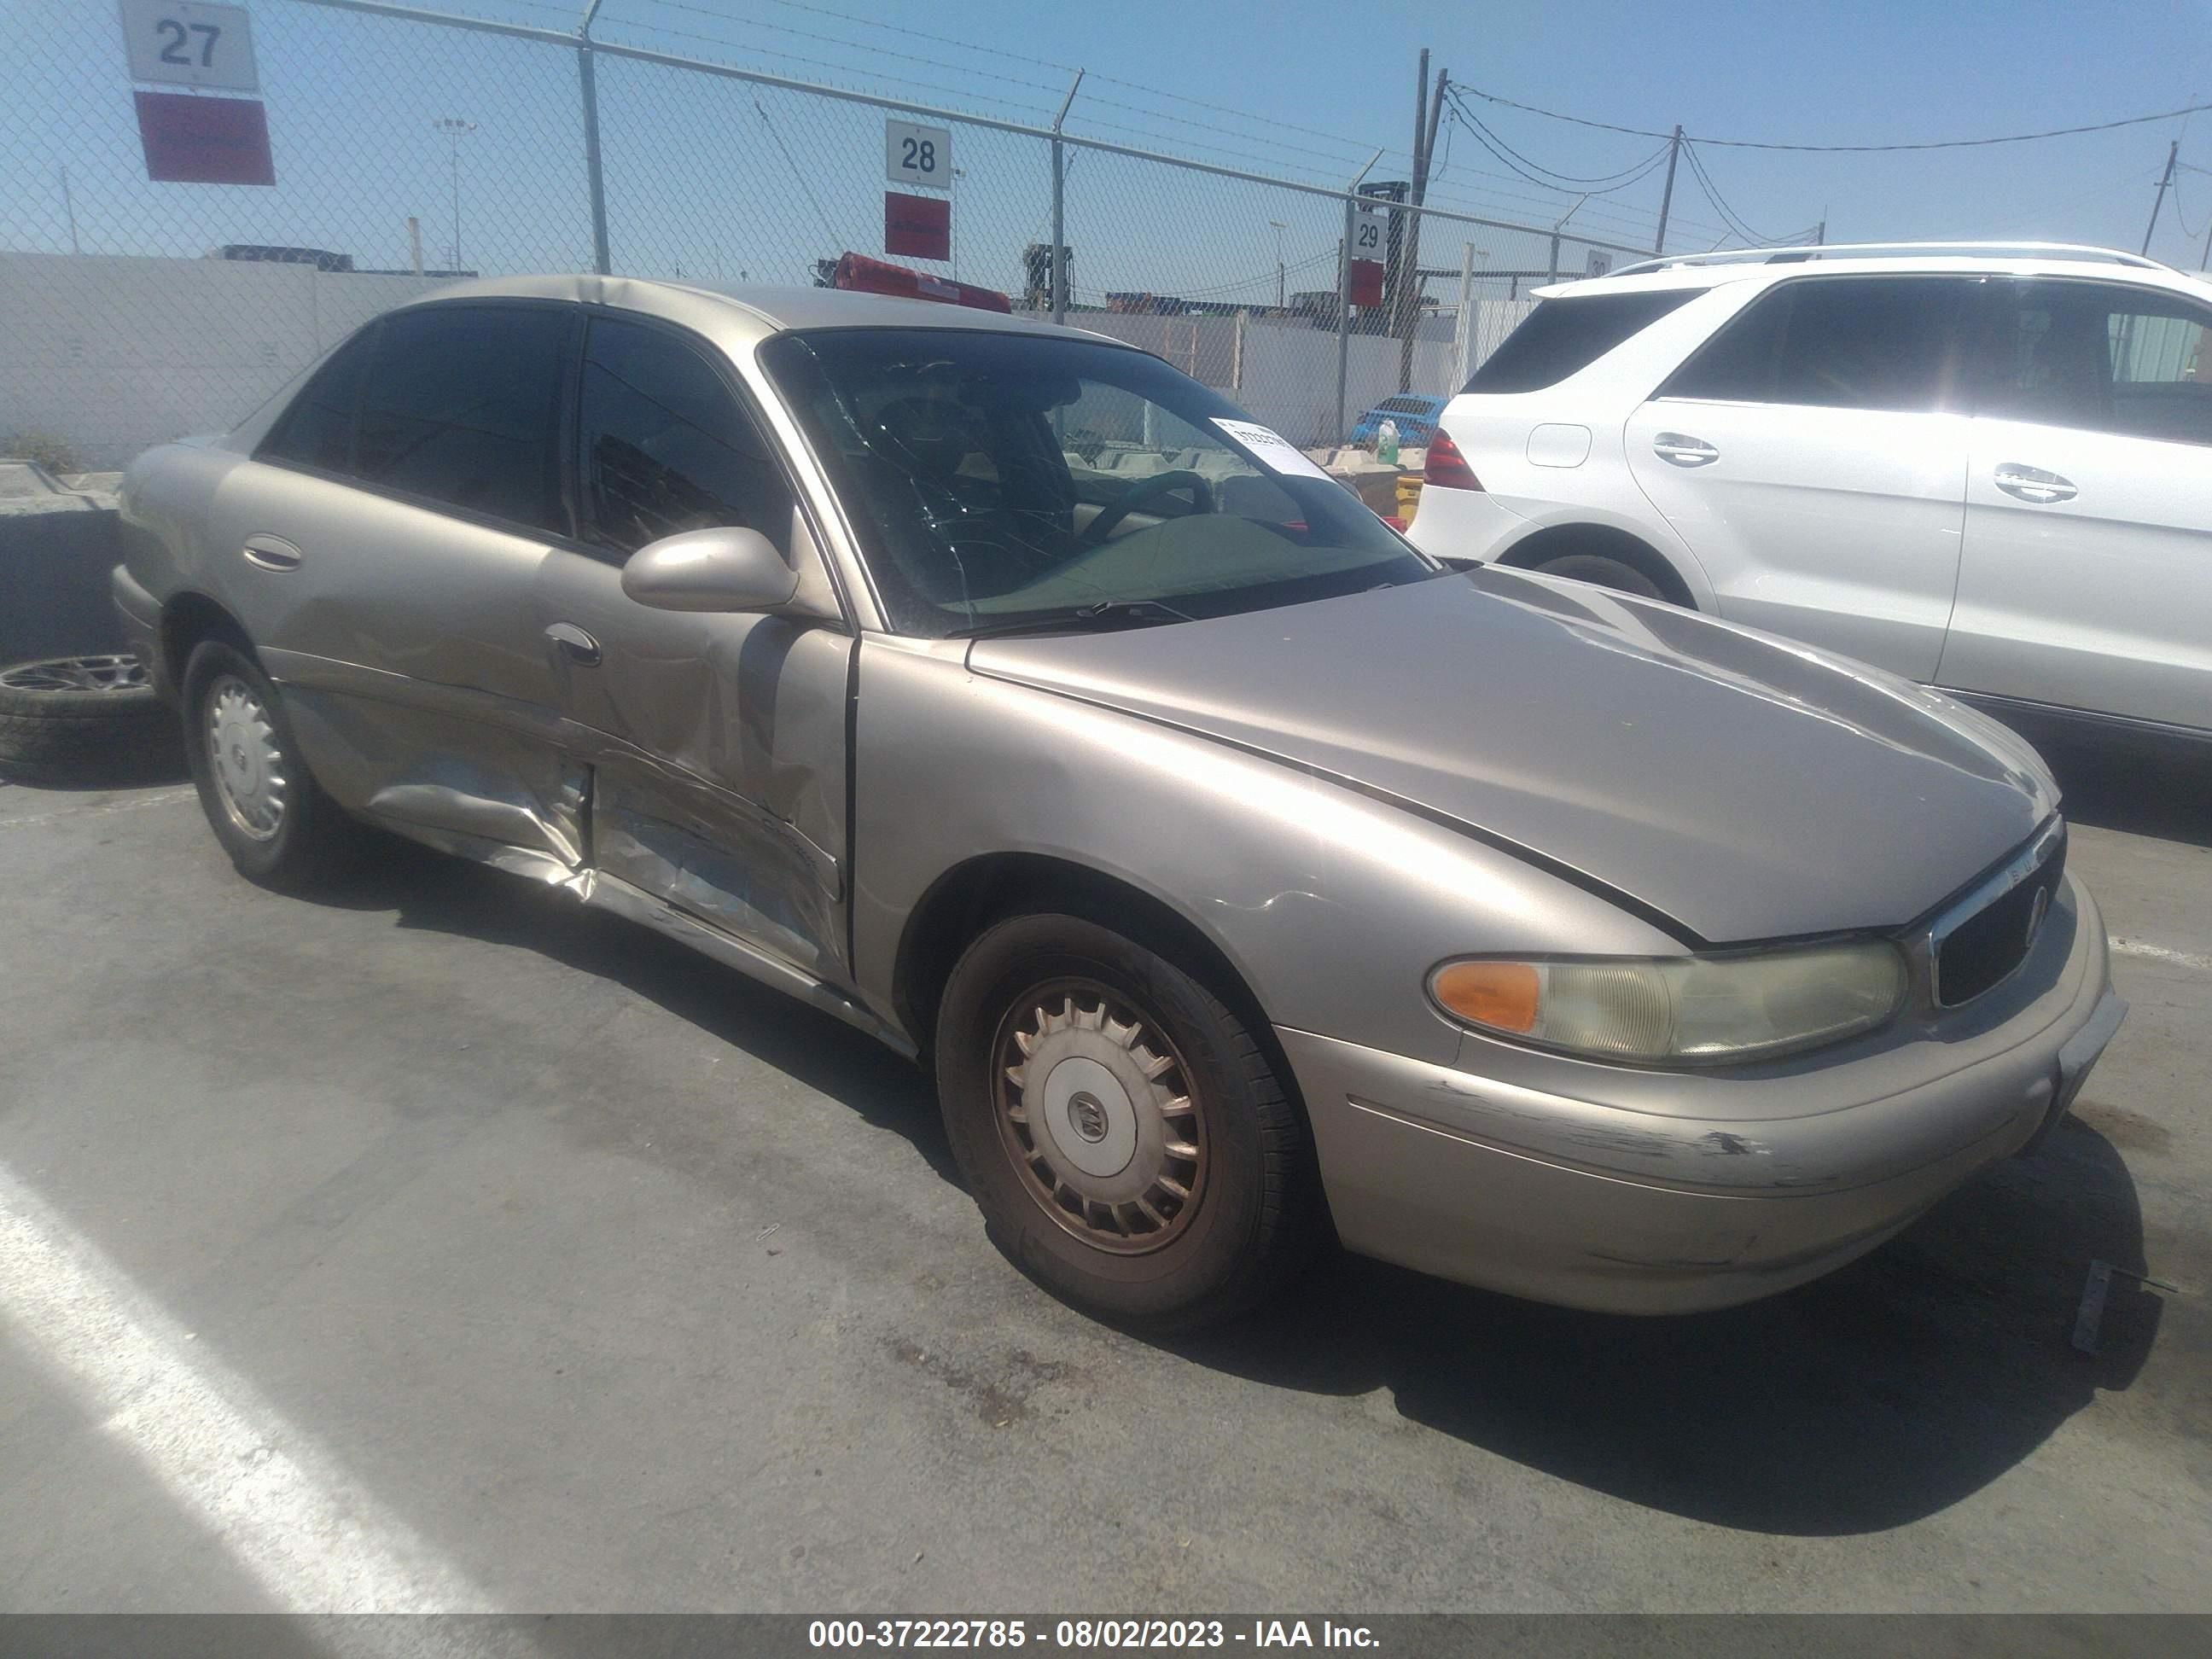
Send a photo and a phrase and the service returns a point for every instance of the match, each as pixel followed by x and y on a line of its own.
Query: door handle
pixel 1684 451
pixel 574 643
pixel 270 553
pixel 2033 484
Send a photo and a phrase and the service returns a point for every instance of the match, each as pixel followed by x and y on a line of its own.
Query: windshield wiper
pixel 1131 612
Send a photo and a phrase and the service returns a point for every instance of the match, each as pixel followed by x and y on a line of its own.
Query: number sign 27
pixel 918 155
pixel 186 43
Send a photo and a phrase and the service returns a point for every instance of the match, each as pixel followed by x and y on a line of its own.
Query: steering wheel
pixel 1142 490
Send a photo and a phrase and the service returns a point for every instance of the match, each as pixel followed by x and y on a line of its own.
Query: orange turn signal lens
pixel 1504 995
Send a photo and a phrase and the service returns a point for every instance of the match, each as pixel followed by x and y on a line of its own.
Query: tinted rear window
pixel 463 406
pixel 1883 342
pixel 1561 337
pixel 317 430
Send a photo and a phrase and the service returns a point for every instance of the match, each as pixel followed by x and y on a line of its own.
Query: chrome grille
pixel 1978 942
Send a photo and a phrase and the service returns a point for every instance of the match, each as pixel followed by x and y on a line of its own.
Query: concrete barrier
pixel 57 547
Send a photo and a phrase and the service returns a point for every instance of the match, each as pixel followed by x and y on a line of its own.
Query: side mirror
pixel 725 569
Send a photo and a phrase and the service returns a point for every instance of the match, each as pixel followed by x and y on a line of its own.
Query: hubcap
pixel 242 754
pixel 1096 1109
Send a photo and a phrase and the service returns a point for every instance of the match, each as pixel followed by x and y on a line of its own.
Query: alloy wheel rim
pixel 76 674
pixel 1096 1109
pixel 248 766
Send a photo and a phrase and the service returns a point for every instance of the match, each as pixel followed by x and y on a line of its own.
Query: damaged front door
pixel 716 742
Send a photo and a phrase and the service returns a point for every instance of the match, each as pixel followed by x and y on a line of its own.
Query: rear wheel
pixel 1127 1141
pixel 1602 572
pixel 274 820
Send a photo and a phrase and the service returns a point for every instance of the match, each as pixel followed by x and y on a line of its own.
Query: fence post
pixel 1343 318
pixel 1463 347
pixel 1236 356
pixel 587 77
pixel 1057 255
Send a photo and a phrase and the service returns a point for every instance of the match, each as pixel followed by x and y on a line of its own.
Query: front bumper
pixel 1681 1201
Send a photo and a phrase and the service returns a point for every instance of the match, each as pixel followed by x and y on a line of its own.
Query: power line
pixel 1494 142
pixel 1849 149
pixel 1728 216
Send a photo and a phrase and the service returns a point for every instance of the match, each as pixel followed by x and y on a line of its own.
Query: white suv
pixel 1986 468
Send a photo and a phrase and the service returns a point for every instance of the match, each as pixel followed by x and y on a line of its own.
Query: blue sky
pixel 707 179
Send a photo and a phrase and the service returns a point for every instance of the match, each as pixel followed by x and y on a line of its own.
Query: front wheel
pixel 274 820
pixel 1126 1136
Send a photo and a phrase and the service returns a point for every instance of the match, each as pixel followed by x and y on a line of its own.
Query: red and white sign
pixel 917 226
pixel 205 140
pixel 1367 282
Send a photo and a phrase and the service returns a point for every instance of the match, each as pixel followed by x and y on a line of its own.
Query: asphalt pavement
pixel 436 1244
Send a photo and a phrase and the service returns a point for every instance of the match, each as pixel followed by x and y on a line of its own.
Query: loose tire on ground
pixel 264 806
pixel 1602 572
pixel 84 719
pixel 1085 1082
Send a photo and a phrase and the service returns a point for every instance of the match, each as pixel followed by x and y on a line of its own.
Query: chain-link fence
pixel 409 147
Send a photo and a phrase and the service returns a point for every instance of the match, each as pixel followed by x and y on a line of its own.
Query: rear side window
pixel 666 449
pixel 317 430
pixel 2098 356
pixel 1561 337
pixel 1885 342
pixel 463 406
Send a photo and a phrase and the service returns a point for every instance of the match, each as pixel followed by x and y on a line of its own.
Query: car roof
pixel 1696 272
pixel 759 310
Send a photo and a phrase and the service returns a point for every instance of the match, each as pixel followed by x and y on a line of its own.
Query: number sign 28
pixel 918 155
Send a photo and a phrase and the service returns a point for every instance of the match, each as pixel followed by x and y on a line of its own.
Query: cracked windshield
pixel 1010 482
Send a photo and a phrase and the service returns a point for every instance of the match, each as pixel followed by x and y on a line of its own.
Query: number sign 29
pixel 186 43
pixel 1366 235
pixel 918 155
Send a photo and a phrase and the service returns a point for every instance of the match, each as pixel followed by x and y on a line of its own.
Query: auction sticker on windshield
pixel 1271 449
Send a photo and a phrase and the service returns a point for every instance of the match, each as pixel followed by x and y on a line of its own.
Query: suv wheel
pixel 266 809
pixel 1130 1147
pixel 1602 572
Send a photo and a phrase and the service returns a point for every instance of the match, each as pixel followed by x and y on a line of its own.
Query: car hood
pixel 1742 786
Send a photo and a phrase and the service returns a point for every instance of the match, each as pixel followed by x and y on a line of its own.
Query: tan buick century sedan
pixel 1245 874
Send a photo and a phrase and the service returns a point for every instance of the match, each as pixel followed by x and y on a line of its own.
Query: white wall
pixel 114 354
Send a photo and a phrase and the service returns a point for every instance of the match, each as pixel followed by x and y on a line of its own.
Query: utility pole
pixel 2173 154
pixel 1278 228
pixel 69 207
pixel 1406 285
pixel 1667 196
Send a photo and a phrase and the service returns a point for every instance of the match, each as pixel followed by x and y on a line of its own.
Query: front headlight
pixel 1679 1011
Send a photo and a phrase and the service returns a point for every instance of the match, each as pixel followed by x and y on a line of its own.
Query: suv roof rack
pixel 1781 256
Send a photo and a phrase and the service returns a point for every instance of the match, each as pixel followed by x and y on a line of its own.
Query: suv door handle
pixel 1684 451
pixel 574 643
pixel 2030 484
pixel 271 553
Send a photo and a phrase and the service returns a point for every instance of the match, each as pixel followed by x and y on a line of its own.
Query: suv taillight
pixel 1446 468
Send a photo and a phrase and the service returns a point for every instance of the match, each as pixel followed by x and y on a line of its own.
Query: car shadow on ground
pixel 1865 1401
pixel 2163 791
pixel 431 890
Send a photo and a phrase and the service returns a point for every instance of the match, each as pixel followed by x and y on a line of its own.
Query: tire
pixel 1173 1079
pixel 84 719
pixel 264 806
pixel 1602 572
